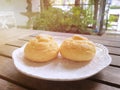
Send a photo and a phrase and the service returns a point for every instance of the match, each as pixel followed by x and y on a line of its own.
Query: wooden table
pixel 12 79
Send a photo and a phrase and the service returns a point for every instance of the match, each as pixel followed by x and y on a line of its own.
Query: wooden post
pixel 101 17
pixel 77 2
pixel 29 10
pixel 44 4
pixel 41 5
pixel 95 13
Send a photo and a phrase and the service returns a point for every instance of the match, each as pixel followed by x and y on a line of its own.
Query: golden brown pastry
pixel 78 48
pixel 40 49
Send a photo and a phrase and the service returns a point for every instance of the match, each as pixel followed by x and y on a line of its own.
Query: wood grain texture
pixel 113 50
pixel 12 75
pixel 14 34
pixel 115 60
pixel 7 50
pixel 107 43
pixel 5 85
pixel 27 38
pixel 109 74
pixel 19 43
pixel 4 50
pixel 107 79
pixel 104 37
pixel 16 43
pixel 104 42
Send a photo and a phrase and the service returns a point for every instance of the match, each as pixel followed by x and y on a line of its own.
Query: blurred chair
pixel 7 20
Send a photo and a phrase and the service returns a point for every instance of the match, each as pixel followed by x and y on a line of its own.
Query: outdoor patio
pixel 22 17
pixel 14 34
pixel 86 19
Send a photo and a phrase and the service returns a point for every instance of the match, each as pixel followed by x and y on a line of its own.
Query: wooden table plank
pixel 114 51
pixel 104 42
pixel 21 42
pixel 107 43
pixel 109 38
pixel 37 84
pixel 5 85
pixel 115 60
pixel 111 49
pixel 16 43
pixel 7 50
pixel 27 38
pixel 4 50
pixel 14 34
pixel 106 79
pixel 109 74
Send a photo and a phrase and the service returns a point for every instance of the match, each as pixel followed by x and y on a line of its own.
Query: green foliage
pixel 75 20
pixel 115 7
pixel 80 18
pixel 49 19
pixel 112 18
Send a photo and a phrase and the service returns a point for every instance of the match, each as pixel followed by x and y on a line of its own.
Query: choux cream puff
pixel 78 48
pixel 42 48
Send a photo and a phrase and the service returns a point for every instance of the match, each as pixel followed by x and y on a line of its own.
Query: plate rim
pixel 106 52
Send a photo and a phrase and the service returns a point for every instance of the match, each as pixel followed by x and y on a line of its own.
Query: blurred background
pixel 91 13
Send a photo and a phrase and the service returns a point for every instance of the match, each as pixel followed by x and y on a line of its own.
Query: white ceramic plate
pixel 61 69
